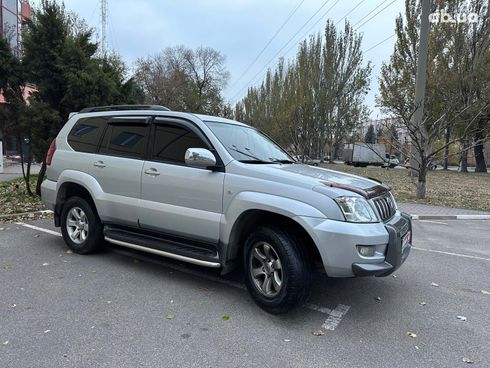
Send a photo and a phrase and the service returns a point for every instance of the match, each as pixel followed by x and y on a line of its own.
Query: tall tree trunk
pixel 446 149
pixel 481 165
pixel 40 178
pixel 25 173
pixel 463 160
pixel 422 178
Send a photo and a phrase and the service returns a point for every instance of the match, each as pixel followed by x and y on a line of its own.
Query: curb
pixel 450 217
pixel 43 212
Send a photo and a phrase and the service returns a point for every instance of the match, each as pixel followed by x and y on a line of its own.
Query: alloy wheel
pixel 266 269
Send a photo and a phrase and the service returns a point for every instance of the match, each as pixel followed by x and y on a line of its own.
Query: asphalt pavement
pixel 59 309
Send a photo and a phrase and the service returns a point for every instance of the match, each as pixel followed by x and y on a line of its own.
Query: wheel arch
pixel 67 190
pixel 252 218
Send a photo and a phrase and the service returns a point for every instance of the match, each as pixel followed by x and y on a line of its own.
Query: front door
pixel 177 199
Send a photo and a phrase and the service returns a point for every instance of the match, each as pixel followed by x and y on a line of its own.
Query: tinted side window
pixel 125 140
pixel 171 142
pixel 86 133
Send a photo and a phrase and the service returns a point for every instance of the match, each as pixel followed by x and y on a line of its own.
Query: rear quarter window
pixel 125 140
pixel 86 134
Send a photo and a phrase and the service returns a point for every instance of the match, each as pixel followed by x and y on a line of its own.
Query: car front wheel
pixel 277 273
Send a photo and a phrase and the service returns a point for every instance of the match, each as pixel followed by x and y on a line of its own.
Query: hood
pixel 310 176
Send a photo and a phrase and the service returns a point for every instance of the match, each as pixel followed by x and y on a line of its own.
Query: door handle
pixel 152 172
pixel 99 164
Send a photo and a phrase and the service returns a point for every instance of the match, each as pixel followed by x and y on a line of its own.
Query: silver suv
pixel 217 193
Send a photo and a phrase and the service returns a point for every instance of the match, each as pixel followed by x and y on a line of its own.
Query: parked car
pixel 217 193
pixel 308 160
pixel 391 161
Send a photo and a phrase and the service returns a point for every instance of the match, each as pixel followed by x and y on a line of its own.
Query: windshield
pixel 247 144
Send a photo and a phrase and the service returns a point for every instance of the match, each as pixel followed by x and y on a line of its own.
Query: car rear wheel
pixel 277 273
pixel 80 226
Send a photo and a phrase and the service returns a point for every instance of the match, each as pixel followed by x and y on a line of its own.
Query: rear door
pixel 177 199
pixel 117 168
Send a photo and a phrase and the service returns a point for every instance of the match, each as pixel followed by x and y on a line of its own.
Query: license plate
pixel 406 241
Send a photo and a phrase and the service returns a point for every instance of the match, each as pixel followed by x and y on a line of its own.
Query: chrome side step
pixel 163 253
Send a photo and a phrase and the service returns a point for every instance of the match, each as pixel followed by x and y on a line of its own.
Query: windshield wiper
pixel 254 159
pixel 285 161
pixel 256 162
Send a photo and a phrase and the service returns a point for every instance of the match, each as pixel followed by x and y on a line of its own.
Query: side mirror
pixel 200 158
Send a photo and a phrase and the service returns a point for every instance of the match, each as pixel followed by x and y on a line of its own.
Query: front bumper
pixel 337 243
pixel 396 251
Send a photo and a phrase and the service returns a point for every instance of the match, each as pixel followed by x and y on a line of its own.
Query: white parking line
pixel 452 254
pixel 433 222
pixel 318 308
pixel 39 229
pixel 335 317
pixel 335 314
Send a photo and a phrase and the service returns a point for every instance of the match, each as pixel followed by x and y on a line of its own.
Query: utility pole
pixel 420 82
pixel 103 25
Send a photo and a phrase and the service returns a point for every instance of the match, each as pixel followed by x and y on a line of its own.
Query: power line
pixel 379 43
pixel 350 11
pixel 309 29
pixel 377 13
pixel 287 43
pixel 364 23
pixel 368 14
pixel 269 42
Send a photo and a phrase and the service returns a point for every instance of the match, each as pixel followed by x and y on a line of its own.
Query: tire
pixel 79 213
pixel 294 273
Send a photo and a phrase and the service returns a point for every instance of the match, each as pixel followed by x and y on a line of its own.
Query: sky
pixel 240 29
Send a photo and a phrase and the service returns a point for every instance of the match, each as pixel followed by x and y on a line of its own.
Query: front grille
pixel 385 206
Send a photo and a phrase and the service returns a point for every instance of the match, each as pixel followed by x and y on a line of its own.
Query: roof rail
pixel 124 107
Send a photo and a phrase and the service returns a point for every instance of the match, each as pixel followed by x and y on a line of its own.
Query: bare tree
pixel 184 79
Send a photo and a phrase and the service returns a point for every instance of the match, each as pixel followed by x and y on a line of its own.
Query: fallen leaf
pixel 93 270
pixel 225 317
pixel 109 302
pixel 318 333
pixel 378 298
pixel 394 276
pixel 2 229
pixel 411 334
pixel 69 251
pixel 468 360
pixel 45 264
pixel 484 292
pixel 287 340
pixel 423 303
pixel 7 267
pixel 434 284
pixel 47 331
pixel 416 347
pixel 6 342
pixel 461 318
pixel 13 305
pixel 37 236
pixel 170 315
pixel 171 301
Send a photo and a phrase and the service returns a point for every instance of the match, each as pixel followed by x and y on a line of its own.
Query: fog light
pixel 366 250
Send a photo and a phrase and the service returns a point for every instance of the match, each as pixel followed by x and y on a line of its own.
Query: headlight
pixel 356 209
